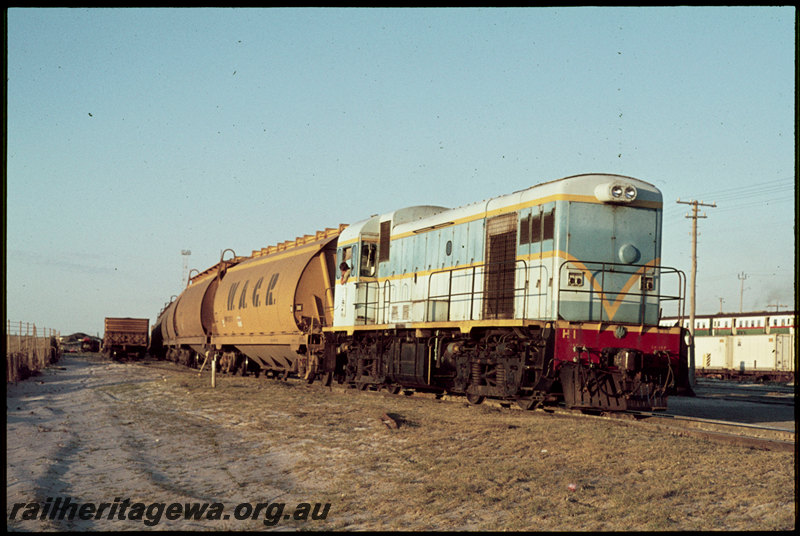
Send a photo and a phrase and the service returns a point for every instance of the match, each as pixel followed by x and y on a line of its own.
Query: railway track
pixel 742 434
pixel 782 395
pixel 751 399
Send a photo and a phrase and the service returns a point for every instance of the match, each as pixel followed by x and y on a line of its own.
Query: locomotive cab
pixel 356 258
pixel 363 256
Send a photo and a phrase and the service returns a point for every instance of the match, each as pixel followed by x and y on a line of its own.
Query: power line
pixel 754 187
pixel 755 203
pixel 777 306
pixel 746 194
pixel 744 205
pixel 749 191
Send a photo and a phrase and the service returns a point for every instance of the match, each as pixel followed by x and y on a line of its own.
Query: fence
pixel 29 349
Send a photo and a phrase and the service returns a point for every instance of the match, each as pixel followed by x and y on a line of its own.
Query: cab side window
pixel 368 253
pixel 537 226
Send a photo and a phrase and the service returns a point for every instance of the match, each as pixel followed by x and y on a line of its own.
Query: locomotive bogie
pixel 619 367
pixel 498 363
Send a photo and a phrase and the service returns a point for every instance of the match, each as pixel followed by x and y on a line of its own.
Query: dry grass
pixel 449 466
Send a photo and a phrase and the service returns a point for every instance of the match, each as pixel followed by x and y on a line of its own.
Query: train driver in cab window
pixel 345 269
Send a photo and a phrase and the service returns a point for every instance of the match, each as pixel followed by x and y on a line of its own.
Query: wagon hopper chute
pixel 272 307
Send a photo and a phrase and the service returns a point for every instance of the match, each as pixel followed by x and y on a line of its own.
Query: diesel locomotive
pixel 547 295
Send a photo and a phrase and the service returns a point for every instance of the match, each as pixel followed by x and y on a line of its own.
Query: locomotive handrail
pixel 380 306
pixel 387 299
pixel 448 298
pixel 366 303
pixel 375 310
pixel 657 271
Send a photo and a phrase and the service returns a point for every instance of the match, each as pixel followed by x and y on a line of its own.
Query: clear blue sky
pixel 134 134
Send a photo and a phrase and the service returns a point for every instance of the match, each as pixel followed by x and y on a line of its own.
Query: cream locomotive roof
pixel 575 187
pixel 371 225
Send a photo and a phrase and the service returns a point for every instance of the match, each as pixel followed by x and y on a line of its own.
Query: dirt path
pixel 270 455
pixel 70 435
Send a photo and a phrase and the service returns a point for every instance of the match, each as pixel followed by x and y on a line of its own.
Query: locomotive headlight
pixel 615 192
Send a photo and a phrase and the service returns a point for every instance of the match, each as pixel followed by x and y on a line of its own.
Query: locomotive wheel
pixel 475 399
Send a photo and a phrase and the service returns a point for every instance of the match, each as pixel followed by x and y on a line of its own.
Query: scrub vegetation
pixel 160 433
pixel 449 465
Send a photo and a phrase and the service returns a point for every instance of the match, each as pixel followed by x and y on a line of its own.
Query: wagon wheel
pixel 393 389
pixel 362 386
pixel 475 399
pixel 527 403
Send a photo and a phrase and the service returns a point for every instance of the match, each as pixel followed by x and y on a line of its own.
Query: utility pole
pixel 776 306
pixel 692 299
pixel 741 277
pixel 720 304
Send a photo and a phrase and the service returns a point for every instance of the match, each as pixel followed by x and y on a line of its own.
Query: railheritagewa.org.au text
pixel 151 514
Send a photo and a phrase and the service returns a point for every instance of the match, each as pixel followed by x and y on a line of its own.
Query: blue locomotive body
pixel 424 295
